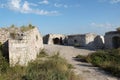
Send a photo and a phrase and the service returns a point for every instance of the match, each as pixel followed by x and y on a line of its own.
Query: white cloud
pixel 26 7
pixel 102 25
pixel 32 4
pixel 61 5
pixel 43 12
pixel 14 4
pixel 44 2
pixel 57 5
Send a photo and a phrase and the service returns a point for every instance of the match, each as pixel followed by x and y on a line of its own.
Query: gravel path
pixel 87 71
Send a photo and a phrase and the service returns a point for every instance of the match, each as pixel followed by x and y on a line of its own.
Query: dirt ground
pixel 86 70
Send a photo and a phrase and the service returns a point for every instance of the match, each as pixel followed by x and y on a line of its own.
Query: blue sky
pixel 62 16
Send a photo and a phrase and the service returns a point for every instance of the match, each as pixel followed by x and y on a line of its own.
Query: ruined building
pixel 89 40
pixel 112 39
pixel 54 39
pixel 21 45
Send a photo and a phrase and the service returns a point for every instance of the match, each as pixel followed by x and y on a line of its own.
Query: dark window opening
pixel 116 42
pixel 22 35
pixel 75 41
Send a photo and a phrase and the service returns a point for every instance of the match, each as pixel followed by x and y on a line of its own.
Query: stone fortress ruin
pixel 89 40
pixel 112 39
pixel 54 39
pixel 21 45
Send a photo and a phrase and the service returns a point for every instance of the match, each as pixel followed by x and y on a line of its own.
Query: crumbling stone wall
pixel 49 38
pixel 92 41
pixel 89 40
pixel 18 52
pixel 21 47
pixel 99 42
pixel 26 49
pixel 4 35
pixel 78 40
pixel 109 39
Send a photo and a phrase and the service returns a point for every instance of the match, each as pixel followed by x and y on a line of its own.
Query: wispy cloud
pixel 115 1
pixel 44 2
pixel 26 7
pixel 2 5
pixel 110 1
pixel 14 4
pixel 61 5
pixel 102 25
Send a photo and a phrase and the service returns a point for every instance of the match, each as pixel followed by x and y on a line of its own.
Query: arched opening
pixel 56 41
pixel 116 42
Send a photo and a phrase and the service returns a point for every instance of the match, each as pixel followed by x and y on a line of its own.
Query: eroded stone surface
pixel 21 47
pixel 89 40
pixel 112 39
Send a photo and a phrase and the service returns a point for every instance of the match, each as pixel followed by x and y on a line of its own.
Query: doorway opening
pixel 56 41
pixel 116 42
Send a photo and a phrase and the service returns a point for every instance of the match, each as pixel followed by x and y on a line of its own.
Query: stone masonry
pixel 89 40
pixel 112 39
pixel 54 39
pixel 22 46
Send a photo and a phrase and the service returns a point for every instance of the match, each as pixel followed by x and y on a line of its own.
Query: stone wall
pixel 4 35
pixel 25 50
pixel 76 39
pixel 109 37
pixel 89 40
pixel 99 42
pixel 95 41
pixel 46 39
pixel 49 39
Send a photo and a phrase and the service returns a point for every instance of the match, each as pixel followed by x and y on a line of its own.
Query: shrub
pixel 80 57
pixel 26 28
pixel 55 68
pixel 108 60
pixel 3 62
pixel 14 73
